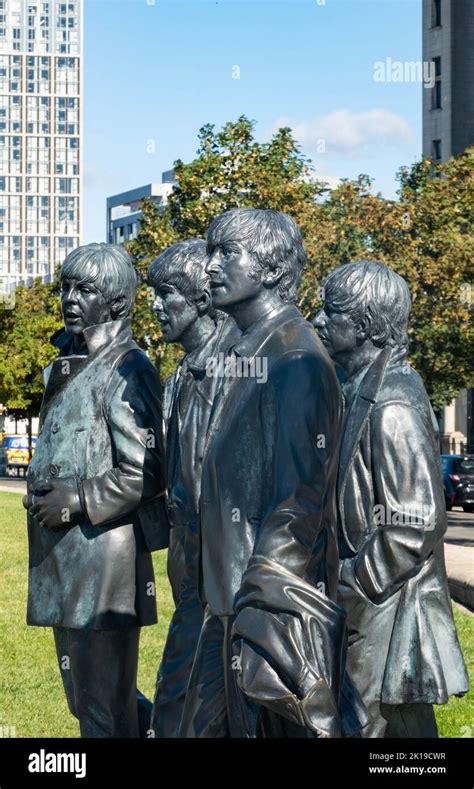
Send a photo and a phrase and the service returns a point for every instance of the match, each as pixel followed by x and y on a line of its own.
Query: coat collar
pixel 249 345
pixel 370 383
pixel 196 361
pixel 252 340
pixel 356 419
pixel 95 337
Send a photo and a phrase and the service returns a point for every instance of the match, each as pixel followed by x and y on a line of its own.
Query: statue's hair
pixel 184 266
pixel 368 289
pixel 108 267
pixel 271 237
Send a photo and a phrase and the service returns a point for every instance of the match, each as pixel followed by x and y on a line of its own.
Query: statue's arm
pixel 301 407
pixel 132 409
pixel 409 498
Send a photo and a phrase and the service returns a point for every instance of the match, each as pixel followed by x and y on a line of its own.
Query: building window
pixel 436 150
pixel 436 92
pixel 436 13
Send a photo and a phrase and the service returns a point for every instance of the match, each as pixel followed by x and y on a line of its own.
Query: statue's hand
pixel 57 506
pixel 40 489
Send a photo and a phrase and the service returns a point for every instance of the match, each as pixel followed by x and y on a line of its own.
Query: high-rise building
pixel 124 210
pixel 40 135
pixel 448 108
pixel 448 129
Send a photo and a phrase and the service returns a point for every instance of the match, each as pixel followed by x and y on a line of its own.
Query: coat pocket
pixel 80 452
pixel 154 524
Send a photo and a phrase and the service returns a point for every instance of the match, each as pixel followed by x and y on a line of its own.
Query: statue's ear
pixel 363 329
pixel 272 276
pixel 203 301
pixel 118 306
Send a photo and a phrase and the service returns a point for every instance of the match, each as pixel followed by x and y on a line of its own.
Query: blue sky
pixel 159 71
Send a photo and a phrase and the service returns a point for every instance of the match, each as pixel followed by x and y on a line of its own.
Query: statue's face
pixel 82 306
pixel 173 312
pixel 231 270
pixel 337 332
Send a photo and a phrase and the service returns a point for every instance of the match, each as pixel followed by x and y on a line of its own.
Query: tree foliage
pixel 427 237
pixel 25 349
pixel 425 234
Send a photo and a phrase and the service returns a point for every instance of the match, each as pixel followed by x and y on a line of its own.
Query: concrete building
pixel 448 129
pixel 40 135
pixel 124 209
pixel 448 108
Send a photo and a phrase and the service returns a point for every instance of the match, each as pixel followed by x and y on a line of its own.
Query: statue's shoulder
pixel 128 360
pixel 403 385
pixel 294 333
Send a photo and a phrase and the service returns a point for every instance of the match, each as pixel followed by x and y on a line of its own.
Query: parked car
pixel 14 455
pixel 458 478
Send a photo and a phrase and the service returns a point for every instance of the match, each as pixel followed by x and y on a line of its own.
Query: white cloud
pixel 346 132
pixel 331 181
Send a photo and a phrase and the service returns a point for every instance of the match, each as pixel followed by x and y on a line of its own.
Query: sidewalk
pixel 460 569
pixel 13 485
pixel 459 558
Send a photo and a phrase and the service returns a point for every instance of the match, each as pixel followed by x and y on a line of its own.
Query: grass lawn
pixel 31 694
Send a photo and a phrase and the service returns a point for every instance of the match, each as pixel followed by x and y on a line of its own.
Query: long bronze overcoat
pixel 100 425
pixel 403 647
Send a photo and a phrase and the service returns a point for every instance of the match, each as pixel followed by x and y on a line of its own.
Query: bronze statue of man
pixel 267 511
pixel 183 307
pixel 94 488
pixel 403 653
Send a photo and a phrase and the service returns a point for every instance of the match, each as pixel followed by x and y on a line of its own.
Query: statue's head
pixel 251 250
pixel 182 290
pixel 98 284
pixel 364 302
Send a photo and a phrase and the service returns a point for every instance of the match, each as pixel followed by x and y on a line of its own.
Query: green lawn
pixel 31 694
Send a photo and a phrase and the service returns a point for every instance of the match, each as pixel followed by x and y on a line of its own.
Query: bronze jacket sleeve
pixel 300 411
pixel 409 500
pixel 132 409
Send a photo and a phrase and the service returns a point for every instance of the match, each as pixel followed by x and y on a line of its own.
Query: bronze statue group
pixel 304 519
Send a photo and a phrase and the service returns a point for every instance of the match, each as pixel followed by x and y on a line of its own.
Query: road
pixel 460 528
pixel 460 524
pixel 12 485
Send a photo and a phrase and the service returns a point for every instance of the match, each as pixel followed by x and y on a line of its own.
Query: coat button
pixel 55 428
pixel 54 470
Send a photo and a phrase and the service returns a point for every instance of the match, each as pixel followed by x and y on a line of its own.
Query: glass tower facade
pixel 40 135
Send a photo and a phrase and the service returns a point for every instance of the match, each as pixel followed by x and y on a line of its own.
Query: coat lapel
pixel 221 401
pixel 61 371
pixel 58 375
pixel 358 415
pixel 228 387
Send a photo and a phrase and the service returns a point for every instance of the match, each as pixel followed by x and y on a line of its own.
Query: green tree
pixel 427 237
pixel 155 235
pixel 425 234
pixel 231 170
pixel 25 349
